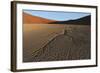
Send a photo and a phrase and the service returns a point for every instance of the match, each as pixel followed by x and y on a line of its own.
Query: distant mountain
pixel 29 19
pixel 81 21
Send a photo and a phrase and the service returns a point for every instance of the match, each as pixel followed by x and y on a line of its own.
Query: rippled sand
pixel 36 36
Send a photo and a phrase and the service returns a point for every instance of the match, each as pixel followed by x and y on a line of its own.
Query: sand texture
pixel 53 42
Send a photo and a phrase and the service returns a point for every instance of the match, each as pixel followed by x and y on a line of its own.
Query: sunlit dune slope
pixel 29 19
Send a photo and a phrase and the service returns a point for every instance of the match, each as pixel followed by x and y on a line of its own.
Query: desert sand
pixel 29 19
pixel 51 42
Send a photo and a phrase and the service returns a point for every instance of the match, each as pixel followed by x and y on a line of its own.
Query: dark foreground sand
pixel 73 43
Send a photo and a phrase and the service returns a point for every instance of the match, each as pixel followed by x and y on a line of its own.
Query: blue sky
pixel 58 16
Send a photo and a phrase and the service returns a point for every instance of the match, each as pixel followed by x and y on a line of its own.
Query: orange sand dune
pixel 29 19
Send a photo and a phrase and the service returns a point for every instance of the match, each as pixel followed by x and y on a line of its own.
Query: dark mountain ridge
pixel 81 21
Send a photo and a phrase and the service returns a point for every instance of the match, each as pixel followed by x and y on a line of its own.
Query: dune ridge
pixel 29 19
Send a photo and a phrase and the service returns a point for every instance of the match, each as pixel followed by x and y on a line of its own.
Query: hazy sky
pixel 59 16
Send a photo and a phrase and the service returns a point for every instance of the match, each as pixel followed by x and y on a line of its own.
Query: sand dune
pixel 29 19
